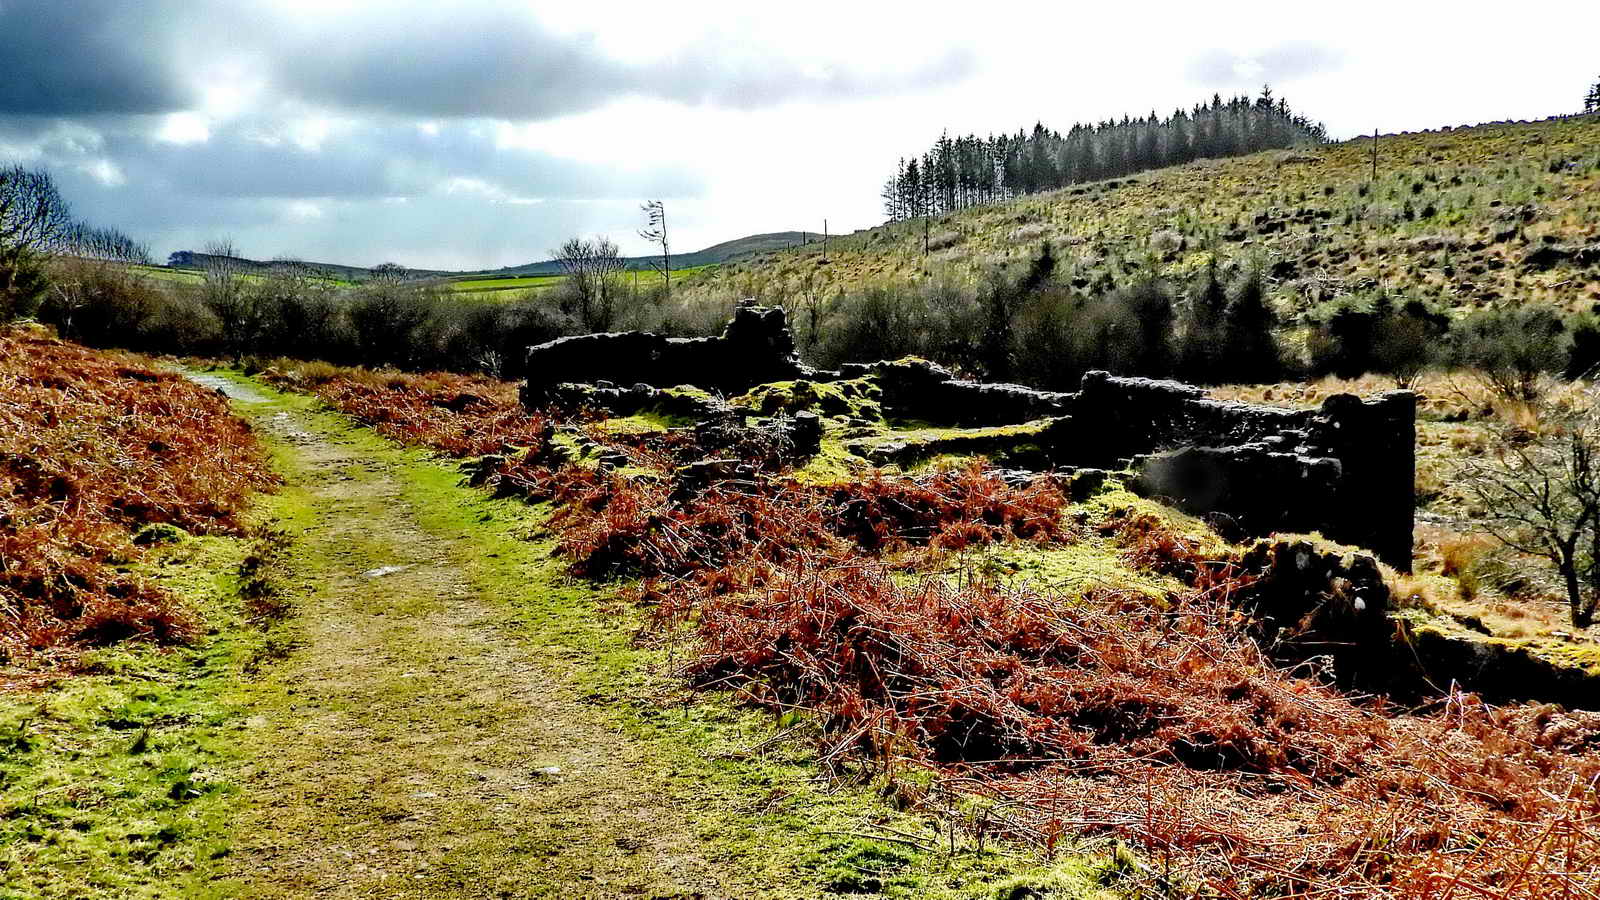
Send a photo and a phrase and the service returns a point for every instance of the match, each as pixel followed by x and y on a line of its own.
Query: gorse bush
pixel 1511 347
pixel 1377 334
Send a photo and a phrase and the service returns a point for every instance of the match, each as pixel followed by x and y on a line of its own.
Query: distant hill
pixel 713 255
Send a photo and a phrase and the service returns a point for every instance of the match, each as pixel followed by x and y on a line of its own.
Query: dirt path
pixel 415 744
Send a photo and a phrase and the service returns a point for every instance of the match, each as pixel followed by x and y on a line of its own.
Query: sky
pixel 483 133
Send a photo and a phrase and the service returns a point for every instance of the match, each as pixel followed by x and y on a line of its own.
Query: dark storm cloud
pixel 493 63
pixel 80 57
pixel 85 86
pixel 1282 63
pixel 85 57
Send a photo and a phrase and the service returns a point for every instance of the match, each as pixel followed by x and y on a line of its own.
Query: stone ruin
pixel 1345 470
pixel 756 347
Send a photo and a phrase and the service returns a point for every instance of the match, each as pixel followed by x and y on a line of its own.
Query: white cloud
pixel 184 128
pixel 304 209
pixel 106 172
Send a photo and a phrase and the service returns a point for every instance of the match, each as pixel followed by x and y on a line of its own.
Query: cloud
pixel 496 63
pixel 265 158
pixel 449 195
pixel 476 60
pixel 1281 63
pixel 89 57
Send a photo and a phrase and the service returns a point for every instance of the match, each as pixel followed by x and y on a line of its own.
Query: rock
pixel 1085 483
pixel 918 389
pixel 805 432
pixel 612 461
pixel 1548 256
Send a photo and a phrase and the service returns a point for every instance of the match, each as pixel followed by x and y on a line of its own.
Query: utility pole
pixel 824 240
pixel 1374 157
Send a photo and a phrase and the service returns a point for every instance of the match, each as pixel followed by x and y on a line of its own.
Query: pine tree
pixel 1591 103
pixel 956 173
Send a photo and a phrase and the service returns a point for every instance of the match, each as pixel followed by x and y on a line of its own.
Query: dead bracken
pixel 95 447
pixel 1166 724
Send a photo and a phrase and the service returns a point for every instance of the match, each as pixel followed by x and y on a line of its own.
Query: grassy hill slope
pixel 1468 217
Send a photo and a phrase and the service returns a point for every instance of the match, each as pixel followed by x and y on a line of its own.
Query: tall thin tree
pixel 655 231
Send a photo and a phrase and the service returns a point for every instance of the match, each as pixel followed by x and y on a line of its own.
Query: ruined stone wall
pixel 756 347
pixel 1346 469
pixel 921 390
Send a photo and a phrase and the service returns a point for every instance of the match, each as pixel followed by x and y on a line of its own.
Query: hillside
pixel 1467 217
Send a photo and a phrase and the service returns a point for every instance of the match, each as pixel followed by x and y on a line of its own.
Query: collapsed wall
pixel 1346 469
pixel 756 347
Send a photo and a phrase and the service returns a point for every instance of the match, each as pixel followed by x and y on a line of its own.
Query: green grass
pixel 524 283
pixel 477 284
pixel 120 781
pixel 183 276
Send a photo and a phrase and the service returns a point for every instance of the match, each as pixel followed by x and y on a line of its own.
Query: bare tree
pixel 812 306
pixel 1542 498
pixel 33 215
pixel 33 220
pixel 655 231
pixel 592 268
pixel 223 292
pixel 103 244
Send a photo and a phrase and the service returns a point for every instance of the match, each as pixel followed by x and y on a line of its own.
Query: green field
pixel 523 283
pixel 162 273
pixel 645 278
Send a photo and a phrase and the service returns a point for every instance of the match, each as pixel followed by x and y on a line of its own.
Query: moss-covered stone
pixel 1022 446
pixel 856 398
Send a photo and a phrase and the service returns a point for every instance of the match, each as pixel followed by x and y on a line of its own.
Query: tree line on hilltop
pixel 961 172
